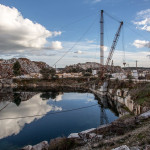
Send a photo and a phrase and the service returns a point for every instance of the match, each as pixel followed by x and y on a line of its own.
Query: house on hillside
pixel 120 76
pixel 134 73
pixel 69 75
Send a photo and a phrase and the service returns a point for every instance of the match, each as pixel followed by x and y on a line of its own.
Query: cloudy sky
pixel 50 29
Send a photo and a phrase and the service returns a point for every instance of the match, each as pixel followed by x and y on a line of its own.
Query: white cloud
pixel 144 13
pixel 78 52
pixel 141 44
pixel 92 1
pixel 96 1
pixel 90 53
pixel 105 48
pixel 143 20
pixel 59 97
pixel 19 33
pixel 94 56
pixel 56 45
pixel 90 41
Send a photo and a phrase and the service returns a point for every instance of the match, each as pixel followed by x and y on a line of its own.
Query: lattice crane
pixel 103 68
pixel 114 44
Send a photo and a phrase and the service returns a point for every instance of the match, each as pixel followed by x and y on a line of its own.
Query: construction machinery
pixel 105 68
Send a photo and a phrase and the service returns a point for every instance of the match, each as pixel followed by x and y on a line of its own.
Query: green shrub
pixel 17 69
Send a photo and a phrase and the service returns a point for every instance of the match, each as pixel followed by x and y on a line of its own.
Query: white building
pixel 134 73
pixel 69 75
pixel 120 76
pixel 26 76
pixel 94 72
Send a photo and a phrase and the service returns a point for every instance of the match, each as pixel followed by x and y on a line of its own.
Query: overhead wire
pixel 125 23
pixel 76 43
pixel 141 35
pixel 31 116
pixel 123 47
pixel 128 25
pixel 76 21
pixel 62 27
pixel 97 47
pixel 112 17
pixel 5 106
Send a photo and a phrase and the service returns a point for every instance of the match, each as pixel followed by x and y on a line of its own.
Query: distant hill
pixel 88 65
pixel 27 67
pixel 134 68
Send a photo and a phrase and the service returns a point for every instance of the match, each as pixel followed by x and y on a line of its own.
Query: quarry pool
pixel 27 118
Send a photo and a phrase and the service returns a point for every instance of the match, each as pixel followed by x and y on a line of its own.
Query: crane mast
pixel 102 39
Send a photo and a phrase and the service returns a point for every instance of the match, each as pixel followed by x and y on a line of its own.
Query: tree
pixel 17 99
pixel 87 74
pixel 46 72
pixel 48 95
pixel 89 70
pixel 17 68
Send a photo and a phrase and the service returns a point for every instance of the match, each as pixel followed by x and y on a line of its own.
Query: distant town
pixel 32 69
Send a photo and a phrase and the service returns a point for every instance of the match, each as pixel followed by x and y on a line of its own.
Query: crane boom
pixel 114 45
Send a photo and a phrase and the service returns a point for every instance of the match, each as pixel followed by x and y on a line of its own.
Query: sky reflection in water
pixel 31 130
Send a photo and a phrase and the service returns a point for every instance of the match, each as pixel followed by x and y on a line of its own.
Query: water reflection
pixel 19 131
pixel 17 99
pixel 56 96
pixel 34 106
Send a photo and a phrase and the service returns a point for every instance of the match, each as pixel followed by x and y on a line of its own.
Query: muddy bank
pixel 35 85
pixel 83 82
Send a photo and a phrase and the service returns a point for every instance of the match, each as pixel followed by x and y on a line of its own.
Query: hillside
pixel 27 67
pixel 88 65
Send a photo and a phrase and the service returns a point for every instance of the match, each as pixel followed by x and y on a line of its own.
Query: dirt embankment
pixel 52 84
pixel 139 92
pixel 130 130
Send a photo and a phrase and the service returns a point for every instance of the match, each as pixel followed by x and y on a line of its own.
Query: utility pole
pixel 102 39
pixel 55 67
pixel 136 64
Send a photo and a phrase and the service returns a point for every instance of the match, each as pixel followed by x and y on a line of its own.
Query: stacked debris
pixel 27 67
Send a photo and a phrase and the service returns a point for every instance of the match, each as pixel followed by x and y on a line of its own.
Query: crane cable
pixel 125 23
pixel 62 27
pixel 123 47
pixel 112 17
pixel 76 43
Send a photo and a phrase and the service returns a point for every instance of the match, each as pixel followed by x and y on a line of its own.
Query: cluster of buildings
pixel 29 76
pixel 133 74
pixel 31 69
pixel 69 75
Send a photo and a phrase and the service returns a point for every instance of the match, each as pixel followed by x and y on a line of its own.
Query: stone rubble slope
pixel 27 66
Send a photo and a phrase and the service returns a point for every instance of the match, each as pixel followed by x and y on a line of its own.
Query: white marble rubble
pixel 87 131
pixel 40 146
pixel 145 115
pixel 74 135
pixel 123 147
